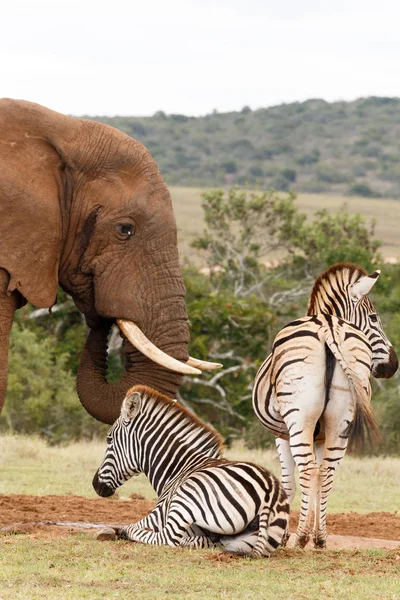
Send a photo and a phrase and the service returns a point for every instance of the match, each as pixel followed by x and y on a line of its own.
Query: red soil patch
pixel 20 508
pixel 23 514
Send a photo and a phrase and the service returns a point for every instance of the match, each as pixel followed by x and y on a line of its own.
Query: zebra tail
pixel 364 425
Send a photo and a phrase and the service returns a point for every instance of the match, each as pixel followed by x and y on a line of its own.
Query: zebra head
pixel 384 358
pixel 342 290
pixel 120 461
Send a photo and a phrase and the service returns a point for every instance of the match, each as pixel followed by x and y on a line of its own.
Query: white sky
pixel 137 57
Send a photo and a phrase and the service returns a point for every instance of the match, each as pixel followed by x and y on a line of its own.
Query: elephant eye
pixel 125 230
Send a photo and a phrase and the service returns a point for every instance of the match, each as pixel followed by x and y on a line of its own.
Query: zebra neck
pixel 171 457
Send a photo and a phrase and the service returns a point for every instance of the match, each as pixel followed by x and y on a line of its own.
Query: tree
pixel 340 237
pixel 240 229
pixel 237 310
pixel 41 394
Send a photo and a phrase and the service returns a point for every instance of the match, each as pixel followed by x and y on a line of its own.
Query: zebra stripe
pixel 203 499
pixel 313 390
pixel 342 291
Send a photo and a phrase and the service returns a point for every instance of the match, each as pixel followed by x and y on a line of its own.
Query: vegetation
pixel 78 566
pixel 316 146
pixel 386 212
pixel 236 307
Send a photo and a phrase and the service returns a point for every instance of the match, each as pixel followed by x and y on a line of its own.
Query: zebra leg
pixel 319 542
pixel 152 522
pixel 287 467
pixel 288 476
pixel 263 546
pixel 171 535
pixel 302 443
pixel 197 541
pixel 338 414
pixel 196 537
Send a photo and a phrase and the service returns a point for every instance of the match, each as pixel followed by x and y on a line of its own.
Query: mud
pixel 66 515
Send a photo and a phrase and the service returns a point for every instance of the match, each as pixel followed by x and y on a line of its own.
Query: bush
pixel 327 174
pixel 41 394
pixel 309 158
pixel 229 167
pixel 362 189
pixel 289 174
pixel 342 237
pixel 256 171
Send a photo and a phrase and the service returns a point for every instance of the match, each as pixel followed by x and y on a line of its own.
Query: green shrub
pixel 41 395
pixel 362 189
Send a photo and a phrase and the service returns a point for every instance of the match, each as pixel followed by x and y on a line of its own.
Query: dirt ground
pixel 43 515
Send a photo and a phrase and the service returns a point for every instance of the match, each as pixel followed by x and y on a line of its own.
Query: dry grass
pixel 29 466
pixel 189 216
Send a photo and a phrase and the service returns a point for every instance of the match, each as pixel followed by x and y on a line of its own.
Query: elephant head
pixel 83 206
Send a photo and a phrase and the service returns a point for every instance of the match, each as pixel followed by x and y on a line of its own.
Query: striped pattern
pixel 342 291
pixel 203 499
pixel 313 391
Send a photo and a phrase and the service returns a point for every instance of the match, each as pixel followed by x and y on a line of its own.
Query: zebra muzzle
pixel 101 488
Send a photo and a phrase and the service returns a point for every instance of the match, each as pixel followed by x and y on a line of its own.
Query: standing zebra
pixel 203 498
pixel 313 391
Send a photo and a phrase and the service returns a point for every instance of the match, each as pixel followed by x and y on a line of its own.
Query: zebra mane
pixel 338 277
pixel 149 394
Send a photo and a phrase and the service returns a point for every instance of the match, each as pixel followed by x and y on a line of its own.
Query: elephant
pixel 83 206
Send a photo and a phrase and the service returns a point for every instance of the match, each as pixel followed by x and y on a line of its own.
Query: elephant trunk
pixel 8 305
pixel 102 399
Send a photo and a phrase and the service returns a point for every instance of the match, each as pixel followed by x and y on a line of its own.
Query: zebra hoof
pixel 301 541
pixel 319 542
pixel 106 535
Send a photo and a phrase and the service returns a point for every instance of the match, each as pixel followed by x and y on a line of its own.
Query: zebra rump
pixel 204 500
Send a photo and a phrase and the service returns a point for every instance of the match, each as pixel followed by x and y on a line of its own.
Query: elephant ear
pixel 31 185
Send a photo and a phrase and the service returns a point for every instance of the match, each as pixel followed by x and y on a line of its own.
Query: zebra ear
pixel 130 406
pixel 363 286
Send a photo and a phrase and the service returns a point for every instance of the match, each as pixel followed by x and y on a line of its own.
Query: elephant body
pixel 83 206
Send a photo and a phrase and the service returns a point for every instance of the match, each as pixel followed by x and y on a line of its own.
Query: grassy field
pixel 77 566
pixel 29 466
pixel 189 216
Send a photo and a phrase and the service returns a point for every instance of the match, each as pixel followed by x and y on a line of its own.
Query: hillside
pixel 314 146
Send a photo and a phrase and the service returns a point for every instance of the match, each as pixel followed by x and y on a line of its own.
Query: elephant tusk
pixel 203 365
pixel 146 347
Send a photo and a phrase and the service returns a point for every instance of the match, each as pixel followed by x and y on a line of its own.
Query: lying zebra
pixel 204 499
pixel 313 391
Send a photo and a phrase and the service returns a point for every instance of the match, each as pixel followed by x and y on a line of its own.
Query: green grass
pixel 29 466
pixel 81 567
pixel 189 216
pixel 77 566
